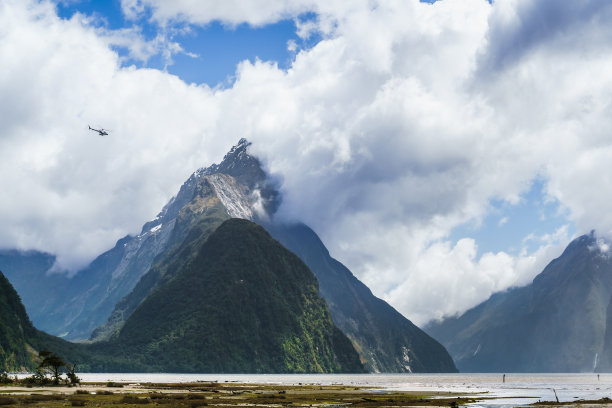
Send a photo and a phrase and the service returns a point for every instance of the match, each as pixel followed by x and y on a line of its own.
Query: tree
pixel 4 377
pixel 51 362
pixel 71 368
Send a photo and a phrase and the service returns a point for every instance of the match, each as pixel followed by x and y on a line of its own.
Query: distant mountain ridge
pixel 555 324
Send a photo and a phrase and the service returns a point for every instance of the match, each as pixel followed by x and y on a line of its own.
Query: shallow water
pixel 569 387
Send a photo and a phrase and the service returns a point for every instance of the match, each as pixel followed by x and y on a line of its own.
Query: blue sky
pixel 212 52
pixel 518 226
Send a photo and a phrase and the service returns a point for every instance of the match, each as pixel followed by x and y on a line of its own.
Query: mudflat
pixel 213 394
pixel 230 394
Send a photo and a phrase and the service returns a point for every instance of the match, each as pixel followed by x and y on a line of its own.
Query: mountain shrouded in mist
pixel 385 340
pixel 107 292
pixel 74 307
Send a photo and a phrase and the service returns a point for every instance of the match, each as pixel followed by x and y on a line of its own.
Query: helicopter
pixel 101 131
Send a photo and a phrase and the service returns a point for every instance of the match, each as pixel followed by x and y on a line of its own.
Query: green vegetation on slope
pixel 195 222
pixel 386 340
pixel 20 342
pixel 241 303
pixel 16 330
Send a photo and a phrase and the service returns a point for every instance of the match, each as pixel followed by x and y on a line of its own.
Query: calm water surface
pixel 519 389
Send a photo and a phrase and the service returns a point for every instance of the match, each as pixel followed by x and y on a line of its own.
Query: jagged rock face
pixel 247 171
pixel 233 196
pixel 555 324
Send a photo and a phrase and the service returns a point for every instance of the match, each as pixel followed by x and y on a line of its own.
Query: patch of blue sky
pixel 219 49
pixel 212 52
pixel 108 15
pixel 514 227
pixel 107 11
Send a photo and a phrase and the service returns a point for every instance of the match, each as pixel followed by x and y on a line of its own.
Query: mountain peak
pixel 242 145
pixel 247 170
pixel 590 242
pixel 239 164
pixel 237 154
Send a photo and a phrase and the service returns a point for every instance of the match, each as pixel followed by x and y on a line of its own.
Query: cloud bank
pixel 402 123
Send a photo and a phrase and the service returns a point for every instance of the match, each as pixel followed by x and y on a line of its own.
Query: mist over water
pixel 518 389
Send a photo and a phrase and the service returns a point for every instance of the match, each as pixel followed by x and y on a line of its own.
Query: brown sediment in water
pixel 213 394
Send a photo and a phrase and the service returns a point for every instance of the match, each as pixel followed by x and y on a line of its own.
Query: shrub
pixel 104 392
pixel 34 398
pixel 132 399
pixel 4 378
pixel 7 401
pixel 114 384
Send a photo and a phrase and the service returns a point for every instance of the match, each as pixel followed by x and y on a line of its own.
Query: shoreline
pixel 359 391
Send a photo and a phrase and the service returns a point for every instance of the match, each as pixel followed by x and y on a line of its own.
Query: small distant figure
pixel 504 378
pixel 101 131
pixel 597 377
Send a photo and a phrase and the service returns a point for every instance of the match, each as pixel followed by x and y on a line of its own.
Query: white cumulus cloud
pixel 401 124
